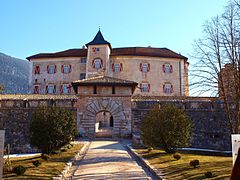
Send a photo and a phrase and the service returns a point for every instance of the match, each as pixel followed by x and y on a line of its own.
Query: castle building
pixel 158 71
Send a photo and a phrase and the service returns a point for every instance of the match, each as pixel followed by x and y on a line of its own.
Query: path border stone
pixel 71 166
pixel 159 175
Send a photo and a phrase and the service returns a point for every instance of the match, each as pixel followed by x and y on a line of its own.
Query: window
pixel 36 90
pixel 167 68
pixel 66 68
pixel 97 63
pixel 83 60
pixel 144 67
pixel 168 88
pixel 50 89
pixel 94 89
pixel 113 90
pixel 65 89
pixel 37 69
pixel 82 76
pixel 117 67
pixel 145 87
pixel 51 69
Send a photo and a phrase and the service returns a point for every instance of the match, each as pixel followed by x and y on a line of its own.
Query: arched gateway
pixel 100 98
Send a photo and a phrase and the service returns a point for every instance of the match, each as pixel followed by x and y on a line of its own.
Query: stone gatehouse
pixel 104 106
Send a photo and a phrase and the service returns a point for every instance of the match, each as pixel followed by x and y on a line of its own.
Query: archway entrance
pixel 104 124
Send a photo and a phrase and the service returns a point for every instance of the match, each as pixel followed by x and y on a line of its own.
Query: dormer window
pixel 167 68
pixel 97 64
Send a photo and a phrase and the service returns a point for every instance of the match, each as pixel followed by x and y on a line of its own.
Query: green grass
pixel 47 169
pixel 180 169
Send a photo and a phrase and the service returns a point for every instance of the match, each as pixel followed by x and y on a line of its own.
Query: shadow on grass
pixel 153 155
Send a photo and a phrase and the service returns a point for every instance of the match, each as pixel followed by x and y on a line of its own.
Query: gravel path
pixel 108 160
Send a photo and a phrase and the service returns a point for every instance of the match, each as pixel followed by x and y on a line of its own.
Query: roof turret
pixel 98 39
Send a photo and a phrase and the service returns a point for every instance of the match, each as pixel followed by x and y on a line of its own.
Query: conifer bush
pixel 36 163
pixel 194 163
pixel 177 156
pixel 51 128
pixel 19 170
pixel 166 127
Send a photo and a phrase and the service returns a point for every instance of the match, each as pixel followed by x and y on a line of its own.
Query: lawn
pixel 47 169
pixel 180 169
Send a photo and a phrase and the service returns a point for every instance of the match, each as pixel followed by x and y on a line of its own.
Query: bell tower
pixel 98 56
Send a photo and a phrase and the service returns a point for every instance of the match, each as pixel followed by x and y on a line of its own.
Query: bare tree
pixel 217 62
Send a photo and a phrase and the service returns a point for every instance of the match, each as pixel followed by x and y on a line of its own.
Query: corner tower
pixel 98 56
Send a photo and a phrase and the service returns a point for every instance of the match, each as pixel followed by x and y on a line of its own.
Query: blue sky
pixel 29 27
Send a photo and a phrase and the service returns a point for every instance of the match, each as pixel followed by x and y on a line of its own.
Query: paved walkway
pixel 108 160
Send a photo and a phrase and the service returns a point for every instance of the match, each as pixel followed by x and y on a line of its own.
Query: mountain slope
pixel 14 74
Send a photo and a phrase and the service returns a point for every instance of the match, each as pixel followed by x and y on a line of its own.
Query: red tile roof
pixel 67 53
pixel 146 51
pixel 127 51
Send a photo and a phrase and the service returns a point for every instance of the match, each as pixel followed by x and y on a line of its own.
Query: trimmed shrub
pixel 45 157
pixel 208 174
pixel 177 156
pixel 37 163
pixel 51 128
pixel 194 163
pixel 19 170
pixel 166 127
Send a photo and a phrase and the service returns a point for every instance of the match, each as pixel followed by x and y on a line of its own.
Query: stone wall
pixel 210 127
pixel 15 119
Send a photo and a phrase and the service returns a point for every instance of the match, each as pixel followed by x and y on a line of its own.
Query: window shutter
pixel 101 63
pixel 55 69
pixel 163 67
pixel 171 88
pixel 121 66
pixel 113 67
pixel 37 70
pixel 70 68
pixel 61 89
pixel 93 64
pixel 140 68
pixel 141 87
pixel 62 69
pixel 48 69
pixel 46 89
pixel 164 90
pixel 148 87
pixel 148 67
pixel 171 68
pixel 69 88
